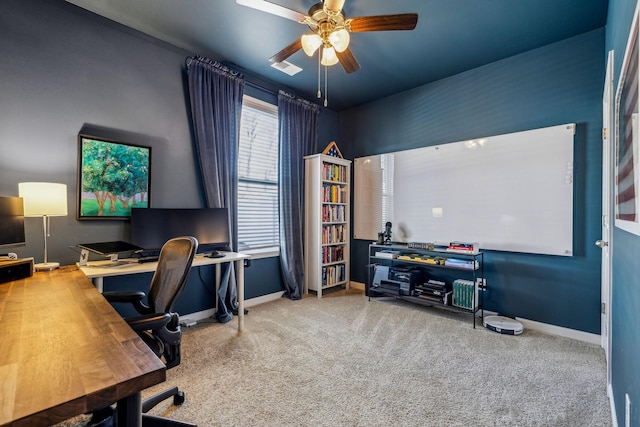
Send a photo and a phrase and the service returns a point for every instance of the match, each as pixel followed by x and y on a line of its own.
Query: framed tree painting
pixel 113 177
pixel 627 162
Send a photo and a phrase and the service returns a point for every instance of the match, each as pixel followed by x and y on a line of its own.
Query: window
pixel 258 222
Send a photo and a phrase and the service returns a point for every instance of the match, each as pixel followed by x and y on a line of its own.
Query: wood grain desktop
pixel 65 351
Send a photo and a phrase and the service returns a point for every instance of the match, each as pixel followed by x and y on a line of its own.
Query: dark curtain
pixel 298 130
pixel 215 93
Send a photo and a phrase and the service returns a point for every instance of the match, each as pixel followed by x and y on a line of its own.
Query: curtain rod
pixel 271 91
pixel 190 59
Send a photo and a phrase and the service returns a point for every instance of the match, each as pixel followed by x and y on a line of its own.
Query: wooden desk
pixel 97 270
pixel 65 351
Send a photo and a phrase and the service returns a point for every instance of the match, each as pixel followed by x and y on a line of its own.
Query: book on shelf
pixel 461 263
pixel 463 247
pixel 389 254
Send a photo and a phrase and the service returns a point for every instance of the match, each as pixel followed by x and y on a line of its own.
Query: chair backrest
pixel 170 276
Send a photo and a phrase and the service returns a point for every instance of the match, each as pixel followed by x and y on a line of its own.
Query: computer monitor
pixel 152 227
pixel 11 222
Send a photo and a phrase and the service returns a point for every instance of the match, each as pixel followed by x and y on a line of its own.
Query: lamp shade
pixel 329 56
pixel 43 198
pixel 310 43
pixel 340 40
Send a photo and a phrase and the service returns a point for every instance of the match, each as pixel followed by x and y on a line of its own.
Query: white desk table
pixel 97 270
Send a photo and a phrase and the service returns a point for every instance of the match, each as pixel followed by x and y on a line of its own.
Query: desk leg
pixel 98 282
pixel 218 276
pixel 130 411
pixel 240 268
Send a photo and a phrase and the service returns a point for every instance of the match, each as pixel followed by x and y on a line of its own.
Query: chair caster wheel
pixel 178 399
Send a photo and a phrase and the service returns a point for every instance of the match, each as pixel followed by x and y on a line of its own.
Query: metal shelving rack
pixel 476 273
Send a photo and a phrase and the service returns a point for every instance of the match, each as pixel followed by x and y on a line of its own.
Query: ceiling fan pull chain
pixel 326 86
pixel 319 57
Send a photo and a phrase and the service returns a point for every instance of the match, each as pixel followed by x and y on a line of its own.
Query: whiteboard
pixel 511 192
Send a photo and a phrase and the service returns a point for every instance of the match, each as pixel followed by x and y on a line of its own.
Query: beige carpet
pixel 345 361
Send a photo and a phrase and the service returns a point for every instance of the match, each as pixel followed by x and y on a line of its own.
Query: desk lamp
pixel 44 199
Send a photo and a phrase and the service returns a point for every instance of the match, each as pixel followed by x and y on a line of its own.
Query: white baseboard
pixel 554 330
pixel 264 298
pixel 205 314
pixel 536 326
pixel 197 316
pixel 528 324
pixel 560 331
pixel 357 285
pixel 612 403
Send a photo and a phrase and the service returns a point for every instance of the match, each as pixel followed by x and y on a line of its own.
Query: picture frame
pixel 113 177
pixel 627 133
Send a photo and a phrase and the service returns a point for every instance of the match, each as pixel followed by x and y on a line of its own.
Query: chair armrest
pixel 132 297
pixel 124 296
pixel 148 322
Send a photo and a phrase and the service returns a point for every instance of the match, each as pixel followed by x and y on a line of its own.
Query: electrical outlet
pixel 481 283
pixel 627 410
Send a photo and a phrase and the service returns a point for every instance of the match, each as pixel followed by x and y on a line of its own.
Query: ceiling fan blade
pixel 403 21
pixel 274 9
pixel 287 52
pixel 348 61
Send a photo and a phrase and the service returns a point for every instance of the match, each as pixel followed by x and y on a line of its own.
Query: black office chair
pixel 157 324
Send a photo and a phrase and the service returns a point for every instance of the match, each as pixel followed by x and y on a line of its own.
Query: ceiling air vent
pixel 286 67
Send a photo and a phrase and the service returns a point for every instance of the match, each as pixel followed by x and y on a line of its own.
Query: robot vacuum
pixel 503 325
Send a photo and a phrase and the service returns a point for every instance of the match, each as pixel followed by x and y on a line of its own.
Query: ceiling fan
pixel 330 30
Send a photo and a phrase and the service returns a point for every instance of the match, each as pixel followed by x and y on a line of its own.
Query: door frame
pixel 608 133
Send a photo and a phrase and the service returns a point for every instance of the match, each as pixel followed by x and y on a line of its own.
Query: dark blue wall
pixel 625 248
pixel 262 277
pixel 556 84
pixel 62 68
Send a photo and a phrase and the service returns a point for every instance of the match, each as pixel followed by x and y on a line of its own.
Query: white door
pixel 605 243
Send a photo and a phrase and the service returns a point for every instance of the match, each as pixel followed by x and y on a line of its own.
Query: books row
pixel 427 259
pixel 333 194
pixel 467 264
pixel 464 293
pixel 331 172
pixel 332 254
pixel 333 234
pixel 331 213
pixel 333 274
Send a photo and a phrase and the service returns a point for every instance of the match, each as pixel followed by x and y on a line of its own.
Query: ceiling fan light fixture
pixel 340 40
pixel 310 43
pixel 334 6
pixel 329 56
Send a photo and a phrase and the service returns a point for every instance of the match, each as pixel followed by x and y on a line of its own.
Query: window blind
pixel 258 222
